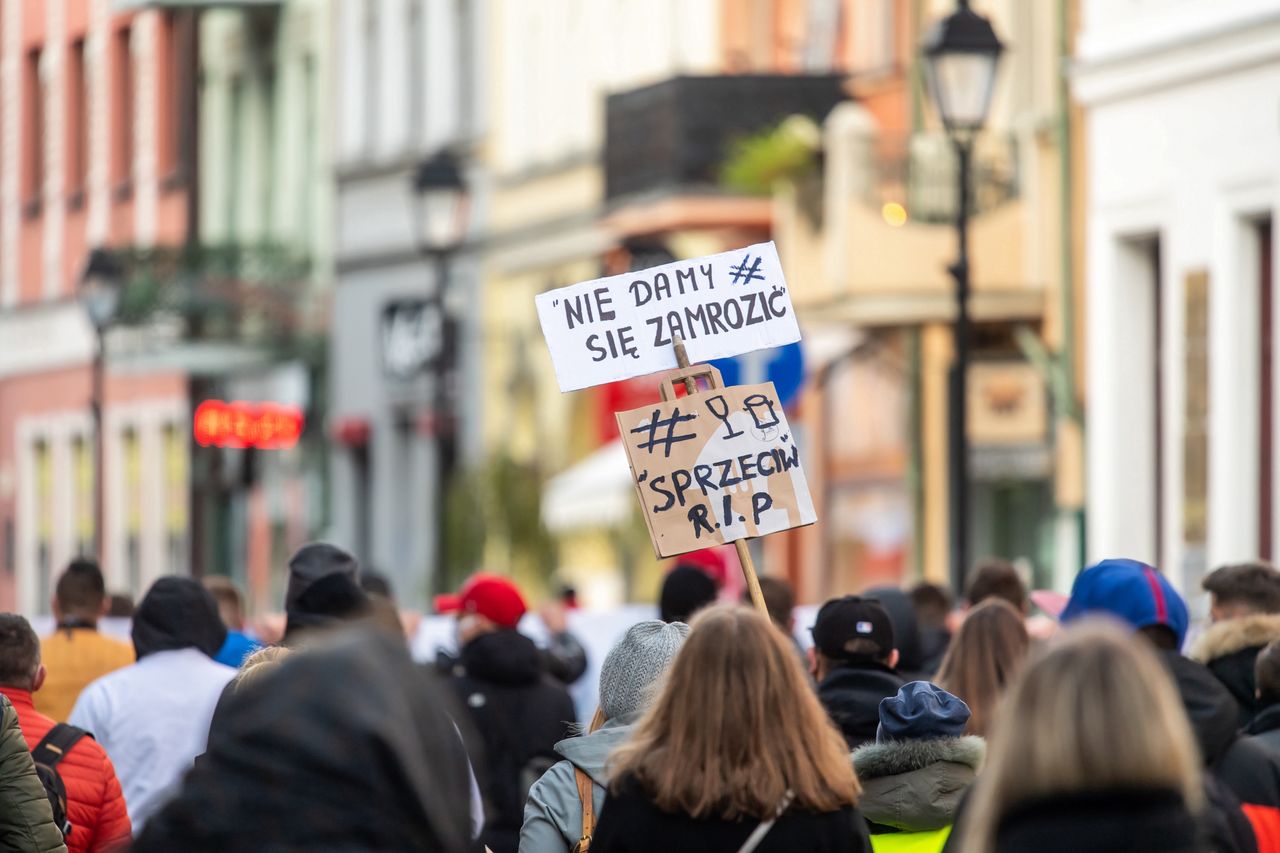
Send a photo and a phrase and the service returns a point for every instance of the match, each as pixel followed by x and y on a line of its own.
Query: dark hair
pixel 685 590
pixel 376 583
pixel 1254 585
pixel 81 589
pixel 224 591
pixel 1266 674
pixel 995 577
pixel 19 651
pixel 1160 636
pixel 779 600
pixel 931 601
pixel 121 605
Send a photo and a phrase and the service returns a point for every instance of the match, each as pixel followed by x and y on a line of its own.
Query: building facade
pixel 92 154
pixel 1183 187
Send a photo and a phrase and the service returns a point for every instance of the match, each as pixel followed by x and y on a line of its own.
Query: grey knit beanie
pixel 634 663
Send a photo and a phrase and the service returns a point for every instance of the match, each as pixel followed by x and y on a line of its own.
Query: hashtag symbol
pixel 745 273
pixel 656 423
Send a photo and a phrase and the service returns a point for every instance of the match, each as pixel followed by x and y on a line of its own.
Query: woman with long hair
pixel 735 754
pixel 986 654
pixel 1090 751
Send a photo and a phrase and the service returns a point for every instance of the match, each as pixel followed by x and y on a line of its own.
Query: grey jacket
pixel 916 786
pixel 553 812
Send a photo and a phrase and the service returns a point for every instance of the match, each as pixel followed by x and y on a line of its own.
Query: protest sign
pixel 717 466
pixel 625 325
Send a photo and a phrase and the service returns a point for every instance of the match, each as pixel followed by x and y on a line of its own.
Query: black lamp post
pixel 100 296
pixel 441 207
pixel 961 53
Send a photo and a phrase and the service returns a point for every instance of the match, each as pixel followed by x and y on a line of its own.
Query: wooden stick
pixel 740 545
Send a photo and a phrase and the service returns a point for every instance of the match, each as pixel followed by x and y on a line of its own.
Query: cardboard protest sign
pixel 716 467
pixel 622 326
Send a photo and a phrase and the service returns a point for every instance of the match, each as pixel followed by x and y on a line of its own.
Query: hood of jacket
pixel 315 561
pixel 917 785
pixel 1213 713
pixel 1117 821
pixel 295 762
pixel 1234 635
pixel 852 694
pixel 1267 720
pixel 504 657
pixel 177 613
pixel 589 752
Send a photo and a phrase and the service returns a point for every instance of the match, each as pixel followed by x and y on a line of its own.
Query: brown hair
pixel 1098 711
pixel 986 654
pixel 994 577
pixel 779 600
pixel 1253 586
pixel 735 727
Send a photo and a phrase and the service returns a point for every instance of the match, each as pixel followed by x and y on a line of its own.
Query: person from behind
pixel 854 664
pixel 343 745
pixel 685 591
pixel 75 653
pixel 323 591
pixel 906 632
pixel 1091 752
pixel 95 809
pixel 995 577
pixel 26 815
pixel 735 747
pixel 238 644
pixel 917 772
pixel 985 657
pixel 516 708
pixel 152 717
pixel 555 820
pixel 1143 598
pixel 779 600
pixel 933 605
pixel 384 609
pixel 1244 603
pixel 1265 726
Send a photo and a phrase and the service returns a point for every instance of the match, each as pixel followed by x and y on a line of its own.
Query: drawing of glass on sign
pixel 716 467
pixel 412 336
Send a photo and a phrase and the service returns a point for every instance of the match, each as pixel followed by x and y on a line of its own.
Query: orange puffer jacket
pixel 95 803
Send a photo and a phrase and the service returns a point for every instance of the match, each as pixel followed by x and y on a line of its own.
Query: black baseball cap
pixel 843 620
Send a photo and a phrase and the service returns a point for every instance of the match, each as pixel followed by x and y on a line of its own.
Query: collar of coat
pixel 1234 635
pixel 894 758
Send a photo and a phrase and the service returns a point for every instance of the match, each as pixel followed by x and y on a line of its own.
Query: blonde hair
pixel 258 664
pixel 985 656
pixel 735 726
pixel 1097 712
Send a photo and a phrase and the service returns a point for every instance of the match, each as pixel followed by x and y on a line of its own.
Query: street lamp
pixel 99 294
pixel 441 203
pixel 961 53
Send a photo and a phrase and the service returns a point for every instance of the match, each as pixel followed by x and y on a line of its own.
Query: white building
pixel 1182 103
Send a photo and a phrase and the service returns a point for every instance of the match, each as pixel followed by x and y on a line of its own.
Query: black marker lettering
pixel 599 353
pixel 706 270
pixel 654 486
pixel 635 288
pixel 603 301
pixel 713 317
pixel 702 473
pixel 729 315
pixel 658 339
pixel 698 516
pixel 682 276
pixel 779 310
pixel 760 502
pixel 661 286
pixel 681 480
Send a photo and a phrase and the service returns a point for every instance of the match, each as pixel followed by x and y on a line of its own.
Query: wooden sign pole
pixel 744 553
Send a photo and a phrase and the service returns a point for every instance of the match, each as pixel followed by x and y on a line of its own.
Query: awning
pixel 597 492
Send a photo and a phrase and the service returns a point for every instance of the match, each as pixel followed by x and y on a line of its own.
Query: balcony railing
pixel 919 173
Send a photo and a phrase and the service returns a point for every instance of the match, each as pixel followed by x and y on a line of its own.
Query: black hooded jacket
pixel 851 693
pixel 177 613
pixel 1120 821
pixel 906 629
pixel 518 712
pixel 1249 770
pixel 346 746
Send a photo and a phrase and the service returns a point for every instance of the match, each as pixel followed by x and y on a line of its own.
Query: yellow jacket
pixel 74 657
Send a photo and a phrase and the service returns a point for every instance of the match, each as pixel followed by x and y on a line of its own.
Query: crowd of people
pixel 912 723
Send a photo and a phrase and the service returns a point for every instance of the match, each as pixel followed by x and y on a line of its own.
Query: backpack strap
pixel 54 745
pixel 587 795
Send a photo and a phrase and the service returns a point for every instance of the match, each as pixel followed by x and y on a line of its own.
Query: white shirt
pixel 153 718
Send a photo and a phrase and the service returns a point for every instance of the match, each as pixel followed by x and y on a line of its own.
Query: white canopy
pixel 596 492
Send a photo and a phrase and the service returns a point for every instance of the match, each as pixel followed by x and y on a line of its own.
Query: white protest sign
pixel 622 326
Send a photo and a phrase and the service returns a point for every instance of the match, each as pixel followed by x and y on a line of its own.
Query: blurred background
pixel 267 272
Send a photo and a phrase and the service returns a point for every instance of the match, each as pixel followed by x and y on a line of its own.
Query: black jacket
pixel 345 746
pixel 177 613
pixel 1265 728
pixel 1229 648
pixel 1120 821
pixel 851 693
pixel 517 712
pixel 564 658
pixel 1248 769
pixel 630 823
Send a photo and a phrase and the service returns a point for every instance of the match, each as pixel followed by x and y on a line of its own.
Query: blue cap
pixel 921 711
pixel 1131 591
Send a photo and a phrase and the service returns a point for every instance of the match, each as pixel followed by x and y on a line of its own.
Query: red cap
pixel 491 596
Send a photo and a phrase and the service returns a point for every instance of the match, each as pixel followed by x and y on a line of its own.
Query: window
pixel 82 461
pixel 44 522
pixel 176 496
pixel 1266 391
pixel 77 124
pixel 123 106
pixel 33 138
pixel 132 509
pixel 871 22
pixel 1157 391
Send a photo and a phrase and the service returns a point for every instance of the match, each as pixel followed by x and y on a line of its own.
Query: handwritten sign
pixel 622 326
pixel 715 467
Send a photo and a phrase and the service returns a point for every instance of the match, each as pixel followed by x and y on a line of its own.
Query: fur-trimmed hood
pixel 1235 635
pixel 916 786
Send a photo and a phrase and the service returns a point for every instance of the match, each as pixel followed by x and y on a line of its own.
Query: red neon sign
pixel 267 426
